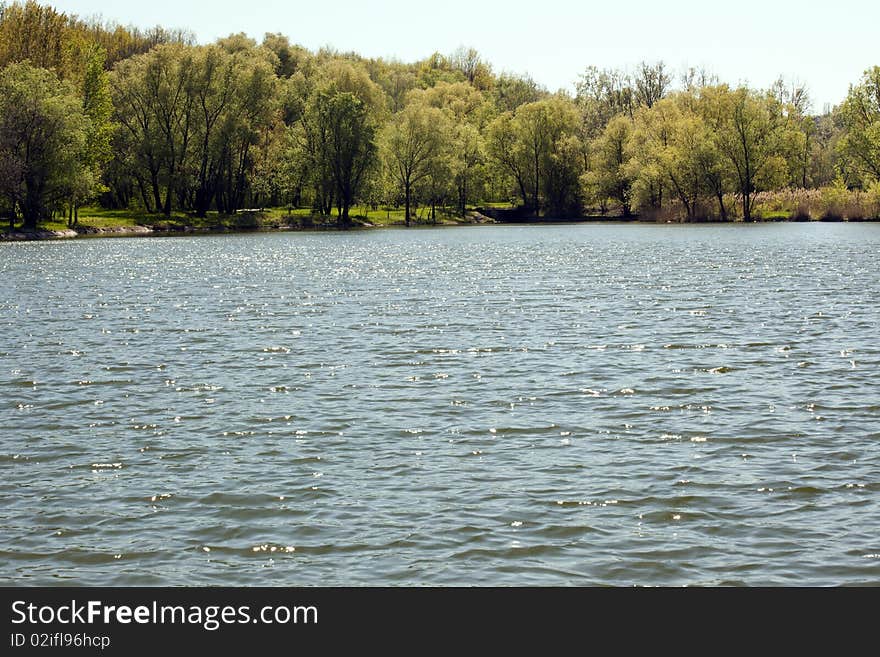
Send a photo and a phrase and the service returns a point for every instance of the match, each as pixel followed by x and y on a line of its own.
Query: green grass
pixel 775 215
pixel 501 205
pixel 96 217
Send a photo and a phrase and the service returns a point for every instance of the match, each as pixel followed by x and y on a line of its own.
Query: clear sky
pixel 825 45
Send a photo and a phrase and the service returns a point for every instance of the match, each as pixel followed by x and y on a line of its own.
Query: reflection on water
pixel 486 405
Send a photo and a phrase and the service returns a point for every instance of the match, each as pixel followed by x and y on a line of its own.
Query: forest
pixel 98 115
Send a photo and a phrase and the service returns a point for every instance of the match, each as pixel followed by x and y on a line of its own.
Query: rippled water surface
pixel 519 405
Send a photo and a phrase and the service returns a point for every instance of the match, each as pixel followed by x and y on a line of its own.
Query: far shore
pixel 163 228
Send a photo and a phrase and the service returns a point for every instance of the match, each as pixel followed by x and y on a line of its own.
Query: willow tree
pixel 98 108
pixel 411 141
pixel 508 154
pixel 669 146
pixel 153 103
pixel 467 155
pixel 247 123
pixel 214 84
pixel 467 110
pixel 750 138
pixel 611 175
pixel 43 141
pixel 860 116
pixel 527 145
pixel 350 145
pixel 334 115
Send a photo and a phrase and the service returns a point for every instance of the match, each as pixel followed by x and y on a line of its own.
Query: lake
pixel 489 405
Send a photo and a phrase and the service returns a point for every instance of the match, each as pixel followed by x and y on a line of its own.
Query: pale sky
pixel 827 46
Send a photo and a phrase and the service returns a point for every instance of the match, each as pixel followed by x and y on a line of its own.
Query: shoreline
pixel 474 219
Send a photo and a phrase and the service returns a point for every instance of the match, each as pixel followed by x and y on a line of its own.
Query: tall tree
pixel 526 145
pixel 860 116
pixel 410 143
pixel 214 85
pixel 351 146
pixel 611 175
pixel 749 138
pixel 652 83
pixel 98 109
pixel 509 154
pixel 43 134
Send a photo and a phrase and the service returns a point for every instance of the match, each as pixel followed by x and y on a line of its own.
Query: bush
pixel 833 203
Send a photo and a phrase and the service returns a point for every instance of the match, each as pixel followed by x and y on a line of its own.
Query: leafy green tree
pixel 750 139
pixel 652 82
pixel 43 141
pixel 510 91
pixel 250 120
pixel 36 33
pixel 611 176
pixel 604 94
pixel 668 143
pixel 351 146
pixel 336 131
pixel 396 80
pixel 192 118
pixel 508 153
pixel 214 84
pixel 562 174
pixel 467 158
pixel 153 101
pixel 289 58
pixel 138 135
pixel 98 109
pixel 411 141
pixel 860 117
pixel 526 145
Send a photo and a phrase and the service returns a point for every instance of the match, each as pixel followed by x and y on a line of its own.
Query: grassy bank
pixel 96 220
pixel 826 204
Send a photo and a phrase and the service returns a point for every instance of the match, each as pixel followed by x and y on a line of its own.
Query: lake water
pixel 497 405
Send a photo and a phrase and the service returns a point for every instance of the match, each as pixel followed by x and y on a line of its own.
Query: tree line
pixel 148 120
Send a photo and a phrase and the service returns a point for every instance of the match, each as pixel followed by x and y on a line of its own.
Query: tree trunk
pixel 30 209
pixel 721 207
pixel 537 185
pixel 406 210
pixel 148 206
pixel 522 192
pixel 157 193
pixel 29 222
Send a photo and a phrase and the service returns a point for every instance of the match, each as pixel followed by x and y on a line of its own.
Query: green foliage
pixel 163 125
pixel 860 116
pixel 43 141
pixel 751 138
pixel 538 148
pixel 412 142
pixel 54 40
pixel 612 176
pixel 192 120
